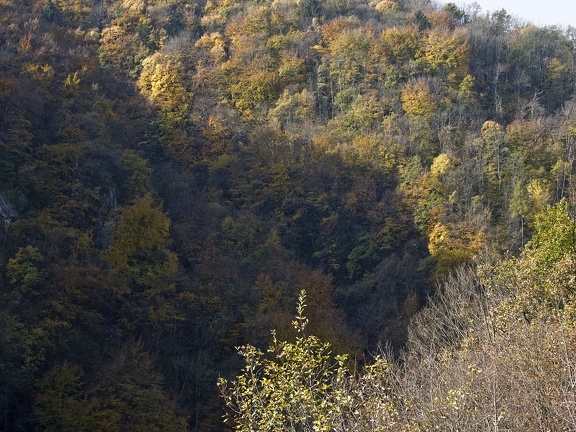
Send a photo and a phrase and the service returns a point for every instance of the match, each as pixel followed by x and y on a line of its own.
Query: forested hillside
pixel 174 174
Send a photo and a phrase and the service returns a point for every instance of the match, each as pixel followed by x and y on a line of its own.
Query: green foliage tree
pixel 304 387
pixel 61 405
pixel 292 392
pixel 23 271
pixel 458 16
pixel 144 265
pixel 538 283
pixel 130 395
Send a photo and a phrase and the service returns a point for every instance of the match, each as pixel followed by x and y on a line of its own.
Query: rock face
pixel 7 212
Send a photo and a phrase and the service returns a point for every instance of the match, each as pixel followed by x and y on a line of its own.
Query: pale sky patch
pixel 542 13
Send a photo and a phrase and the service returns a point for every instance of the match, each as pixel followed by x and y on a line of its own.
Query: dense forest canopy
pixel 174 174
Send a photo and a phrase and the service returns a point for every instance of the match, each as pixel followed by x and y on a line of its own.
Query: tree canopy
pixel 173 173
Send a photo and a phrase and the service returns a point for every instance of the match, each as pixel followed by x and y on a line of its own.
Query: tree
pixel 144 265
pixel 129 395
pixel 496 329
pixel 303 387
pixel 539 282
pixel 294 391
pixel 446 54
pixel 61 405
pixel 122 50
pixel 458 16
pixel 418 100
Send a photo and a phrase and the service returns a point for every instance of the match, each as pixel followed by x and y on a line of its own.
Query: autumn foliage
pixel 174 173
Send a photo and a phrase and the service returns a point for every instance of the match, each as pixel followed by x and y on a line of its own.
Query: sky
pixel 540 12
